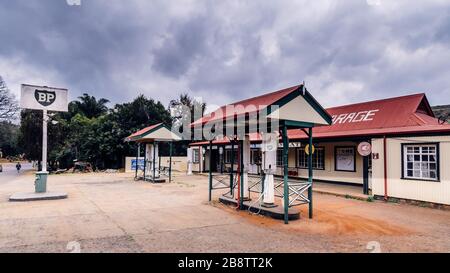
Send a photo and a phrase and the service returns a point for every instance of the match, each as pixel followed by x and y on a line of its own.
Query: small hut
pixel 151 137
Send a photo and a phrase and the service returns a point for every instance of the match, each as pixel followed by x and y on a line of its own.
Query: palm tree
pixel 185 101
pixel 89 106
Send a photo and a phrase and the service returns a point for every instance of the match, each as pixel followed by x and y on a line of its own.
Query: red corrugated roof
pixel 143 131
pixel 260 101
pixel 400 115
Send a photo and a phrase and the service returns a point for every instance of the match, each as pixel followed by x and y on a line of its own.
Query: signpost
pixel 46 99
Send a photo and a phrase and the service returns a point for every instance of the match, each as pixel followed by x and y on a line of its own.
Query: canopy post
pixel 221 159
pixel 170 161
pixel 154 161
pixel 286 174
pixel 241 174
pixel 232 168
pixel 210 172
pixel 310 173
pixel 246 154
pixel 137 159
pixel 159 162
pixel 145 160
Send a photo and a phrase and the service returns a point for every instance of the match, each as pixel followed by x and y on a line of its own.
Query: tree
pixel 133 116
pixel 184 111
pixel 89 106
pixel 30 134
pixel 8 103
pixel 8 139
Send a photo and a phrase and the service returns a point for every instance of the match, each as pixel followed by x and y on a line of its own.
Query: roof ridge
pixel 266 94
pixel 379 100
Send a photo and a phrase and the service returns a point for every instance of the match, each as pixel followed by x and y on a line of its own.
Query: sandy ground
pixel 112 213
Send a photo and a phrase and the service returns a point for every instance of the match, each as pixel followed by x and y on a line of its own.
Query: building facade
pixel 409 159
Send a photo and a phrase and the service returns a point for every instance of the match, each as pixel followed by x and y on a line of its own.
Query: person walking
pixel 18 167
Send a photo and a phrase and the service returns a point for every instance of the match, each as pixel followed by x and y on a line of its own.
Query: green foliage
pixel 8 103
pixel 88 106
pixel 90 131
pixel 184 110
pixel 442 112
pixel 8 139
pixel 30 135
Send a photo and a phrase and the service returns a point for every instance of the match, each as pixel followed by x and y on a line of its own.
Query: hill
pixel 442 111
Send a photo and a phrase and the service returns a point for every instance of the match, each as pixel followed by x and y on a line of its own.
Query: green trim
pixel 310 173
pixel 284 100
pixel 319 109
pixel 137 159
pixel 366 175
pixel 301 91
pixel 145 160
pixel 162 125
pixel 286 174
pixel 210 171
pixel 241 173
pixel 232 170
pixel 297 124
pixel 170 161
pixel 135 138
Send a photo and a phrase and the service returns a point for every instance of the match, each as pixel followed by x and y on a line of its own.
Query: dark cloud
pixel 228 50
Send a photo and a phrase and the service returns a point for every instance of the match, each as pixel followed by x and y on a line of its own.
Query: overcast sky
pixel 346 51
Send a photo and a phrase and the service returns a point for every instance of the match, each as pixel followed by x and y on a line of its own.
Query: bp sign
pixel 44 98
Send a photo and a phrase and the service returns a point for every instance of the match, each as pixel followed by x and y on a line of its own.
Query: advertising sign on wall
pixel 140 164
pixel 345 159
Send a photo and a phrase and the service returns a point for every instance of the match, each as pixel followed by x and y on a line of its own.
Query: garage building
pixel 409 160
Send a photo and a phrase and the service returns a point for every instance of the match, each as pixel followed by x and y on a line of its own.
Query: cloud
pixel 346 51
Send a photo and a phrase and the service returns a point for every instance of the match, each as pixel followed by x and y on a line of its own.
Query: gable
pixel 289 101
pixel 299 110
pixel 160 134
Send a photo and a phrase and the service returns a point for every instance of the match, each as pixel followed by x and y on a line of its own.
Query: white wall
pixel 435 192
pixel 329 174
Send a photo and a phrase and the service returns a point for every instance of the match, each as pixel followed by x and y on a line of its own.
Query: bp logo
pixel 44 97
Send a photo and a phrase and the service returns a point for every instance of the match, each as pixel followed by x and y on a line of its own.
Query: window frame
pixel 354 158
pixel 305 168
pixel 194 152
pixel 438 165
pixel 227 156
pixel 280 151
pixel 252 156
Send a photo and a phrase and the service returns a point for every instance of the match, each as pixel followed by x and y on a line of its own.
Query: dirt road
pixel 112 213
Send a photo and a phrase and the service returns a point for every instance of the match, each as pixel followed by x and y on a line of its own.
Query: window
pixel 255 157
pixel 280 157
pixel 318 159
pixel 421 161
pixel 228 157
pixel 196 155
pixel 345 159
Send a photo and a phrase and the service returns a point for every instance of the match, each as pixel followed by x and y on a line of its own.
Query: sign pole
pixel 46 99
pixel 44 140
pixel 40 185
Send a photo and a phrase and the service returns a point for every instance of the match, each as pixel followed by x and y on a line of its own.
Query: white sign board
pixel 345 159
pixel 44 98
